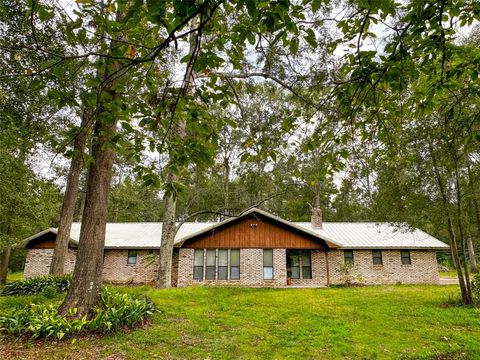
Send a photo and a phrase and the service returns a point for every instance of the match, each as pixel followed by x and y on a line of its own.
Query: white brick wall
pixel 38 262
pixel 422 270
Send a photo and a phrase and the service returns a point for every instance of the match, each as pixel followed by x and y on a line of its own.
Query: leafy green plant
pixel 475 285
pixel 54 284
pixel 116 310
pixel 350 275
pixel 50 291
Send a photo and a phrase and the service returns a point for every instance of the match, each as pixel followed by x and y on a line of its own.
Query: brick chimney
pixel 316 218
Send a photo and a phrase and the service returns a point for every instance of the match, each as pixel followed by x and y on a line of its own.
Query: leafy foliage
pixel 476 288
pixel 349 274
pixel 115 311
pixel 37 285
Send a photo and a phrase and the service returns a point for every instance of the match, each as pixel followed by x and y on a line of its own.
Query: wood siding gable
pixel 255 231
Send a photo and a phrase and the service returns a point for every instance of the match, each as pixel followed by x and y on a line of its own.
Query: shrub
pixel 115 311
pixel 37 285
pixel 475 284
pixel 350 275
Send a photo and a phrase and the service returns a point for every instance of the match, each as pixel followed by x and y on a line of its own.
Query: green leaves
pixel 294 46
pixel 156 10
pixel 115 311
pixel 311 38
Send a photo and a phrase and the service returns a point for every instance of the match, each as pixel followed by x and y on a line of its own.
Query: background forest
pixel 199 110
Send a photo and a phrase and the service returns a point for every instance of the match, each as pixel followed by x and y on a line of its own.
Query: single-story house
pixel 258 249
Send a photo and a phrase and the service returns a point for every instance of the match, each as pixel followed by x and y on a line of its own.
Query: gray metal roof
pixel 346 235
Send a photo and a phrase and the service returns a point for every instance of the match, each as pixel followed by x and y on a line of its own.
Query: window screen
pixel 377 257
pixel 234 264
pixel 222 264
pixel 348 256
pixel 268 264
pixel 198 264
pixel 210 268
pixel 306 264
pixel 132 257
pixel 405 255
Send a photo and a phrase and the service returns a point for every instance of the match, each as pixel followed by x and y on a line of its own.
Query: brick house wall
pixel 38 262
pixel 251 270
pixel 116 269
pixel 422 270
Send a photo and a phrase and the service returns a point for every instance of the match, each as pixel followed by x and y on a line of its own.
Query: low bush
pixel 37 285
pixel 475 284
pixel 115 311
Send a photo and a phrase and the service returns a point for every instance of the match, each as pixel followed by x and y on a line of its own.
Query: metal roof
pixel 347 235
pixel 370 235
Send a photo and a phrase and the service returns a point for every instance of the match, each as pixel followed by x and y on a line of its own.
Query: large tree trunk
pixel 4 258
pixel 87 275
pixel 169 230
pixel 70 197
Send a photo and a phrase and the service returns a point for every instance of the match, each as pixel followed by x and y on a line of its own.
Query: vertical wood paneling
pixel 241 234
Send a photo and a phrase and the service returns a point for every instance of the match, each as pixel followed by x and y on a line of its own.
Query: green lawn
pixel 15 276
pixel 449 274
pixel 384 322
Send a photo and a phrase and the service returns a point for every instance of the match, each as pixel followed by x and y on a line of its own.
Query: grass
pixel 378 322
pixel 449 273
pixel 15 276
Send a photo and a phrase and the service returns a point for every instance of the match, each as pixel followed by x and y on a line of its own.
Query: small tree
pixel 349 274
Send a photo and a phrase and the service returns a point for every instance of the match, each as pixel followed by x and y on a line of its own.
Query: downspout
pixel 327 267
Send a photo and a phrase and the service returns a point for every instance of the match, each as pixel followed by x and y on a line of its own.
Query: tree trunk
pixel 226 185
pixel 462 232
pixel 169 230
pixel 70 197
pixel 471 249
pixel 466 298
pixel 472 256
pixel 82 205
pixel 4 258
pixel 87 276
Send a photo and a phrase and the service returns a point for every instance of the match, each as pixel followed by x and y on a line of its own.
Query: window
pixel 405 255
pixel 198 264
pixel 132 257
pixel 213 264
pixel 306 265
pixel 348 256
pixel 210 268
pixel 222 264
pixel 377 257
pixel 293 264
pixel 268 264
pixel 234 264
pixel 299 264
